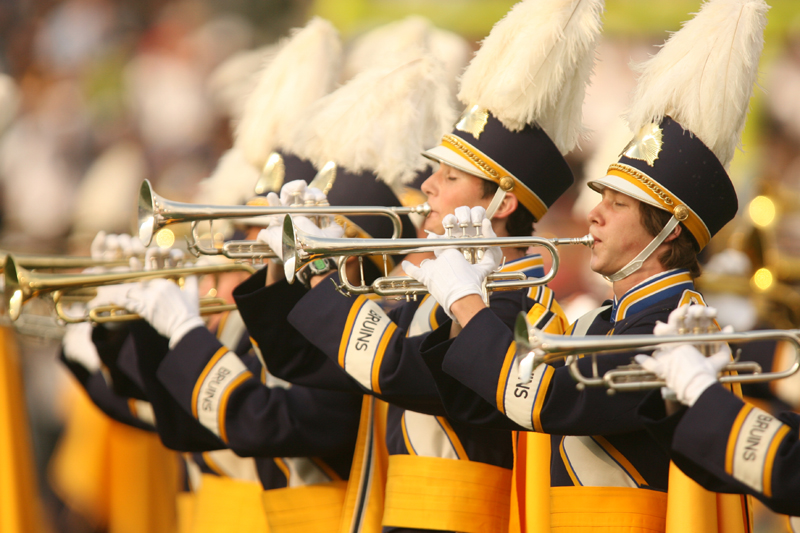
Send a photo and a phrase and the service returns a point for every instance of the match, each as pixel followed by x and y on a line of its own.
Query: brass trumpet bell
pixel 21 284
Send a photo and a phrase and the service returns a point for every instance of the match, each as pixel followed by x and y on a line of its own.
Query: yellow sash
pixel 113 474
pixel 607 509
pixel 185 505
pixel 366 490
pixel 226 505
pixel 310 509
pixel 692 509
pixel 20 508
pixel 530 490
pixel 448 494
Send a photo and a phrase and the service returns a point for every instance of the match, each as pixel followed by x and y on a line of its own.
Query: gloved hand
pixel 293 193
pixel 79 348
pixel 172 311
pixel 110 247
pixel 688 372
pixel 450 276
pixel 156 258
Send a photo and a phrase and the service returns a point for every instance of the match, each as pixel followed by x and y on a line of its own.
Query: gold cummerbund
pixel 446 494
pixel 223 505
pixel 607 509
pixel 310 509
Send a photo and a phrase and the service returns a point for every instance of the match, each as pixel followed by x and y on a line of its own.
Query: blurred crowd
pixel 97 95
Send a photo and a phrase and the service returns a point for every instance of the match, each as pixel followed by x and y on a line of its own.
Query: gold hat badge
pixel 646 144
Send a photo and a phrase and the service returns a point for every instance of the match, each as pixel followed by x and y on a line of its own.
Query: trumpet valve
pixel 448 230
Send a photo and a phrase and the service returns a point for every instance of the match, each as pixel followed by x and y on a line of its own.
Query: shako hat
pixel 524 90
pixel 689 110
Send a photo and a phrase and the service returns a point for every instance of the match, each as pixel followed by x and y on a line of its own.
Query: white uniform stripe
pixel 750 453
pixel 369 325
pixel 593 466
pixel 427 436
pixel 518 398
pixel 212 389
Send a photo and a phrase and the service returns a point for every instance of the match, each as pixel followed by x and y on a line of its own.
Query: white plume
pixel 306 68
pixel 387 46
pixel 230 83
pixel 704 75
pixel 232 182
pixel 534 66
pixel 404 40
pixel 380 121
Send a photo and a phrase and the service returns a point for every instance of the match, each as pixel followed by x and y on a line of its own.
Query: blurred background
pixel 97 95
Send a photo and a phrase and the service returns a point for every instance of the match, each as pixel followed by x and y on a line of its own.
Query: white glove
pixel 295 192
pixel 159 258
pixel 292 193
pixel 687 372
pixel 171 311
pixel 79 348
pixel 450 276
pixel 112 246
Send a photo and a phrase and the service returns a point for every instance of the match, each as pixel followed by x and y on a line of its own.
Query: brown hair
pixel 520 222
pixel 682 252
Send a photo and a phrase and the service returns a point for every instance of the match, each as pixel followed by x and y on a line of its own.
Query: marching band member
pixel 722 442
pixel 661 203
pixel 304 438
pixel 386 364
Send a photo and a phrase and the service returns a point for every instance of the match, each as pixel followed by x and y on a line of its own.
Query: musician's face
pixel 619 236
pixel 448 188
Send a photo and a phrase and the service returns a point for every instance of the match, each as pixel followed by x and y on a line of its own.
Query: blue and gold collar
pixel 651 291
pixel 532 265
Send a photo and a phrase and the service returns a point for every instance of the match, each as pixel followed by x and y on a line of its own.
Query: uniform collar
pixel 651 291
pixel 532 265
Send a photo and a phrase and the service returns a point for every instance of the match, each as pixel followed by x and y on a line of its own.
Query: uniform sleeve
pixel 217 389
pixel 109 344
pixel 461 403
pixel 378 349
pixel 285 351
pixel 176 428
pixel 745 448
pixel 483 358
pixel 129 411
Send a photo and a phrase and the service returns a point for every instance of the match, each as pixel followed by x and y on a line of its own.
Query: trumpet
pixel 22 285
pixel 534 348
pixel 300 249
pixel 155 212
pixel 58 262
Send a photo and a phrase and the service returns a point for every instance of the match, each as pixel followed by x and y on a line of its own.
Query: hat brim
pixel 440 154
pixel 625 187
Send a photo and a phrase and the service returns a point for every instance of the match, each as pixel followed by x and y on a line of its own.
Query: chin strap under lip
pixel 637 262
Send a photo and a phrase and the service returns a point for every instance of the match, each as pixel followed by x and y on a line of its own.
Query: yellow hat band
pixel 496 173
pixel 668 201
